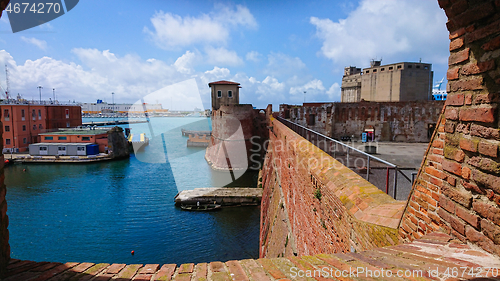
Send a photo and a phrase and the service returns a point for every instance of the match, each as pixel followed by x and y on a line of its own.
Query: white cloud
pixel 173 31
pixel 270 89
pixel 281 65
pixel 184 63
pixel 222 56
pixel 33 41
pixel 313 87
pixel 253 56
pixel 334 92
pixel 394 30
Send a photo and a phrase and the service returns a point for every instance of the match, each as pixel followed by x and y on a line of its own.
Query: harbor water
pixel 100 212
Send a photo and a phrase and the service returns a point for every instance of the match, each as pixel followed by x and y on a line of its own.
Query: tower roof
pixel 222 82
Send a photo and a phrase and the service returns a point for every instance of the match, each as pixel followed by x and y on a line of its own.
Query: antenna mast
pixel 7 81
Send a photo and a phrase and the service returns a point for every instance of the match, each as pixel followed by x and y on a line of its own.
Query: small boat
pixel 201 207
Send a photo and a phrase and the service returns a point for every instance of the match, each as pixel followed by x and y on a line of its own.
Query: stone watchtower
pixel 224 93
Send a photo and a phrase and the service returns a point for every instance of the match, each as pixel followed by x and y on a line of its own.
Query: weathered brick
pixel 472 83
pixel 451 180
pixel 457 33
pixel 451 113
pixel 449 126
pixel 487 210
pixel 484 132
pixel 485 164
pixel 488 148
pixel 452 73
pixel 459 56
pixel 476 68
pixel 456 44
pixel 454 222
pixel 466 172
pixel 454 154
pixel 438 143
pixel 455 99
pixel 486 98
pixel 491 45
pixel 462 197
pixel 456 8
pixel 491 230
pixel 467 216
pixel 452 167
pixel 436 173
pixel 446 203
pixel 484 114
pixel 482 32
pixel 487 180
pixel 468 99
pixel 468 144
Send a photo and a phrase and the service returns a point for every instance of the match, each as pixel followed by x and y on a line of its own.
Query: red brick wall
pixel 458 187
pixel 350 214
pixel 392 121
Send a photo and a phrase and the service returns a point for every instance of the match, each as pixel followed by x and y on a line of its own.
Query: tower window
pixel 219 94
pixel 229 94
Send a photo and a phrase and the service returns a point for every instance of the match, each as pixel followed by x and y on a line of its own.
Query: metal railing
pixel 348 155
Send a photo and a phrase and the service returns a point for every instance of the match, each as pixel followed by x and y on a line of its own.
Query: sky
pixel 277 50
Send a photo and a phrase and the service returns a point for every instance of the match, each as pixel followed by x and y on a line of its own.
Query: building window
pixel 374 70
pixel 418 66
pixel 61 148
pixel 39 114
pixel 7 141
pixel 382 69
pixel 410 66
pixel 61 138
pixel 229 94
pixel 7 128
pixel 34 127
pixel 390 67
pixel 399 66
pixel 68 124
pixel 33 114
pixel 40 126
pixel 25 140
pixel 67 113
pixel 22 114
pixel 426 67
pixel 48 138
pixel 24 127
pixel 368 71
pixel 6 115
pixel 85 138
pixel 219 94
pixel 43 148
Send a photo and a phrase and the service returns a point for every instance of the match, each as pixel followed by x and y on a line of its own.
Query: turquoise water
pixel 101 212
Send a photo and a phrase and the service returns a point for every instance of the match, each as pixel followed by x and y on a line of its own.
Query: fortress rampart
pixel 313 204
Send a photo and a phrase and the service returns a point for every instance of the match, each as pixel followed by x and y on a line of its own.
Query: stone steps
pixel 435 256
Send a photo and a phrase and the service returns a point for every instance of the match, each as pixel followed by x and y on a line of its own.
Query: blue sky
pixel 275 49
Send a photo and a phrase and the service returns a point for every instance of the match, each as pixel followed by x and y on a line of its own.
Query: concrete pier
pixel 234 196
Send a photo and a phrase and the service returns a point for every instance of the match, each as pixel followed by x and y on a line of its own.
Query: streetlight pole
pixel 40 89
pixel 54 94
pixel 305 96
pixel 113 108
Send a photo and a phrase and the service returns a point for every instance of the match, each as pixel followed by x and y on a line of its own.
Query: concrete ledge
pixel 224 196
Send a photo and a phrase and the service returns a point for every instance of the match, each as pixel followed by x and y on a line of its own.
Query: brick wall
pixel 392 121
pixel 313 204
pixel 4 219
pixel 458 187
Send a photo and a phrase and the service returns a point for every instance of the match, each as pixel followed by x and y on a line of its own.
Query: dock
pixel 26 158
pixel 232 196
pixel 107 123
pixel 187 133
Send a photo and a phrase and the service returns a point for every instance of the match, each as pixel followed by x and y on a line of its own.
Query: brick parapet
pixel 313 204
pixel 461 169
